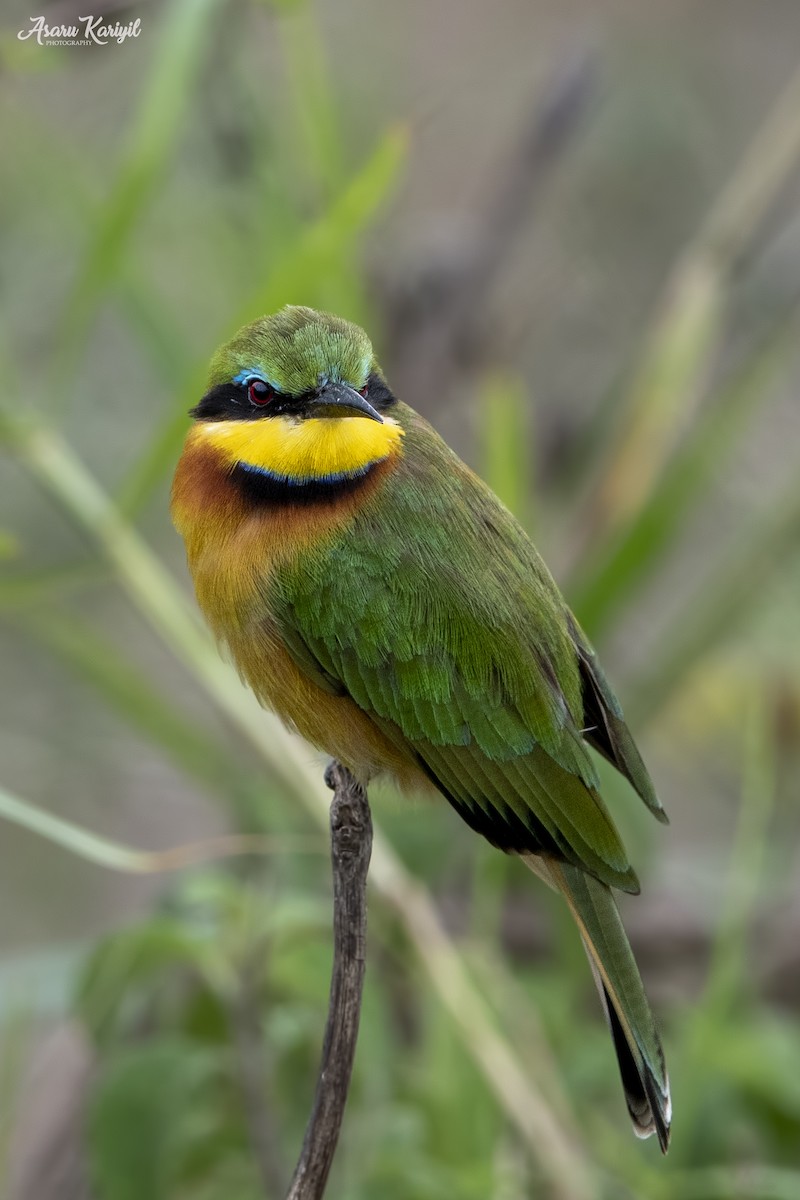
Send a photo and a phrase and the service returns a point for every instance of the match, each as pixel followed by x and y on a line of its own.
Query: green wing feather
pixel 434 612
pixel 605 725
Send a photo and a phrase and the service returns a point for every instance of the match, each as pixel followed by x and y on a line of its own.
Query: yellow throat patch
pixel 298 450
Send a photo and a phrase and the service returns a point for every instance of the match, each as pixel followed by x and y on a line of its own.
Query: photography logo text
pixel 89 31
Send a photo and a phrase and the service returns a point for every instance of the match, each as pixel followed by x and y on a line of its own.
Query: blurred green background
pixel 573 231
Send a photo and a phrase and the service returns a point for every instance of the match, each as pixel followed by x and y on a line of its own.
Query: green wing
pixel 434 612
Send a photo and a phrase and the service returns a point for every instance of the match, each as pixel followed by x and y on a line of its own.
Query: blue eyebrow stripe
pixel 249 373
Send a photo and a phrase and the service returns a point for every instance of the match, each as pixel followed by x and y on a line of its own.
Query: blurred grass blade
pixel 517 1015
pixel 728 970
pixel 142 305
pixel 298 269
pixel 180 47
pixel 727 982
pixel 681 344
pixel 134 697
pixel 314 101
pixel 504 441
pixel 21 589
pixel 158 332
pixel 758 181
pixel 753 1181
pixel 666 386
pixel 733 592
pixel 557 1149
pixel 295 278
pixel 118 857
pixel 606 582
pixel 148 584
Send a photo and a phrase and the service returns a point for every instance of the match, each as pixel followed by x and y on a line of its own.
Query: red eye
pixel 259 393
pixel 364 390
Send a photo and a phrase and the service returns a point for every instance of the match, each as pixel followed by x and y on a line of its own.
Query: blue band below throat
pixel 300 481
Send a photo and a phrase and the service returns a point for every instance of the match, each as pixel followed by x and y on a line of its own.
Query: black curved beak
pixel 341 395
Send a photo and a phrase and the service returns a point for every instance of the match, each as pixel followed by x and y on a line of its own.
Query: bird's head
pixel 299 396
pixel 297 362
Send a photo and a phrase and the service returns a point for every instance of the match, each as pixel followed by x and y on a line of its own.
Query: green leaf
pixel 121 964
pixel 136 1117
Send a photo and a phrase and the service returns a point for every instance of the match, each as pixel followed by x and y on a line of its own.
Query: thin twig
pixel 351 846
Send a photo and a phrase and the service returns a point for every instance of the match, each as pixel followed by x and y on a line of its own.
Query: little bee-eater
pixel 381 600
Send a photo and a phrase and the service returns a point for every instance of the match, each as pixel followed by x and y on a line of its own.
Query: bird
pixel 377 596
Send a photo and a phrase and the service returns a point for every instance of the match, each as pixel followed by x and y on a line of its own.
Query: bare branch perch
pixel 351 845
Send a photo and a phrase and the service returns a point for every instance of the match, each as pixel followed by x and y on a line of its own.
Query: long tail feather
pixel 630 1020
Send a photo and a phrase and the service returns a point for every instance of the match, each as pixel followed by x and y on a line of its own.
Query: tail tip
pixel 656 1117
